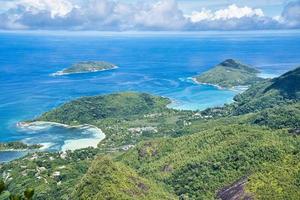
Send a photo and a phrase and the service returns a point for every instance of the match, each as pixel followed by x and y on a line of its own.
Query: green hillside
pixel 199 165
pixel 228 74
pixel 90 109
pixel 106 179
pixel 270 93
pixel 285 116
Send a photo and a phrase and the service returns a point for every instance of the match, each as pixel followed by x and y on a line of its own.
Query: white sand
pixel 86 142
pixel 73 144
pixel 46 145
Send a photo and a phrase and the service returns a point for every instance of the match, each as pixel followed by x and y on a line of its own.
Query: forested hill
pixel 107 179
pixel 90 109
pixel 228 74
pixel 270 93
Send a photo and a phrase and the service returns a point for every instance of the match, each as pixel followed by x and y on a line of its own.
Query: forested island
pixel 86 67
pixel 245 150
pixel 228 74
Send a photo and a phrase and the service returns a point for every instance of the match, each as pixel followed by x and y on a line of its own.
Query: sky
pixel 149 15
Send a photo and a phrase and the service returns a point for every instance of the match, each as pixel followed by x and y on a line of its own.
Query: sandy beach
pixel 69 144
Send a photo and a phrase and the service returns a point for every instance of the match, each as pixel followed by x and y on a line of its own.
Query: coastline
pixel 17 150
pixel 214 85
pixel 69 144
pixel 61 73
pixel 239 88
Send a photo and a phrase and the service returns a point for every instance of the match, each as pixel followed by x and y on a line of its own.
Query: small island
pixel 228 74
pixel 86 67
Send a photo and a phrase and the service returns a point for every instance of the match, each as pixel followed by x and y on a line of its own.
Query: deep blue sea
pixel 158 63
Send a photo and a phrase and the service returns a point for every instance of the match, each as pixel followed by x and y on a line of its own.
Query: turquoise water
pixel 159 63
pixel 7 156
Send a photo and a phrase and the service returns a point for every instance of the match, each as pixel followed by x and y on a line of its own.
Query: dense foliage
pixel 200 164
pixel 270 93
pixel 91 109
pixel 52 175
pixel 5 194
pixel 286 116
pixel 228 74
pixel 107 179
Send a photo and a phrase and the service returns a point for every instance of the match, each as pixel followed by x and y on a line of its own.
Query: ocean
pixel 159 63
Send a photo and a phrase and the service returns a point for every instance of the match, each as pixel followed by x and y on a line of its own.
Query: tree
pixel 28 193
pixel 15 197
pixel 2 186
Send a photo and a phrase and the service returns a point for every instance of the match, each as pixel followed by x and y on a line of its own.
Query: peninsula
pixel 86 67
pixel 228 74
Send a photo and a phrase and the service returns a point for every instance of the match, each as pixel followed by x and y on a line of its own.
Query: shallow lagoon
pixel 54 137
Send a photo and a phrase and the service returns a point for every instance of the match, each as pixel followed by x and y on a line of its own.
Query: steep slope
pixel 200 165
pixel 228 74
pixel 107 179
pixel 270 93
pixel 285 116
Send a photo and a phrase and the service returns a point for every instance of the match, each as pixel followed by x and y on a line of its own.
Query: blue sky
pixel 149 15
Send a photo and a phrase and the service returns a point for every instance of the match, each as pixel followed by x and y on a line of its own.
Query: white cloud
pixel 231 18
pixel 55 7
pixel 160 15
pixel 237 12
pixel 198 16
pixel 231 12
pixel 157 15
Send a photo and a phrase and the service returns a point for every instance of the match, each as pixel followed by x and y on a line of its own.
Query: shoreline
pixel 234 88
pixel 202 83
pixel 61 73
pixel 16 150
pixel 70 144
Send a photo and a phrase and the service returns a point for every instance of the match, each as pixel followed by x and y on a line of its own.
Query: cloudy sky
pixel 149 15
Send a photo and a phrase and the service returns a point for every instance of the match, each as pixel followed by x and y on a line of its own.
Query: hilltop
pixel 228 74
pixel 86 67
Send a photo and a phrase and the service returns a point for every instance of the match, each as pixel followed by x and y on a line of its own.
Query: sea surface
pixel 158 63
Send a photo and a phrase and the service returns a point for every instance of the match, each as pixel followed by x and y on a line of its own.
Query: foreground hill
pixel 228 74
pixel 199 165
pixel 106 179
